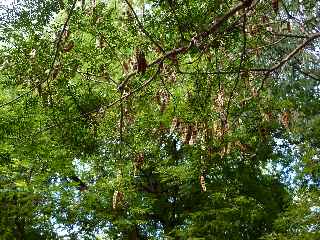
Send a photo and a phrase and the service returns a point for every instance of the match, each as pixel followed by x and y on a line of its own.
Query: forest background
pixel 160 119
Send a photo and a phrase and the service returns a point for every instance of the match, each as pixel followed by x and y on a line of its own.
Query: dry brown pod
pixel 138 162
pixel 203 184
pixel 141 61
pixel 194 135
pixel 288 26
pixel 275 5
pixel 117 199
pixel 285 119
pixel 68 47
pixel 175 124
pixel 186 134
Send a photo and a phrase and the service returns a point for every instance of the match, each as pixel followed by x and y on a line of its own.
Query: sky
pixel 7 2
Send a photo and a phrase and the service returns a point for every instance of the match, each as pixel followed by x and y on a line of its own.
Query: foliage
pixel 160 119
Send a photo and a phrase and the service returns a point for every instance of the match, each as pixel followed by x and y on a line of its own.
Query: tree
pixel 159 119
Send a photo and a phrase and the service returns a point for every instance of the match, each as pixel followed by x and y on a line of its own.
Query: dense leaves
pixel 159 120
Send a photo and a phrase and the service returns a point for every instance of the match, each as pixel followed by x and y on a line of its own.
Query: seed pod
pixel 175 124
pixel 275 5
pixel 285 119
pixel 194 134
pixel 203 184
pixel 117 199
pixel 68 47
pixel 125 67
pixel 289 26
pixel 33 54
pixel 138 162
pixel 141 61
pixel 186 134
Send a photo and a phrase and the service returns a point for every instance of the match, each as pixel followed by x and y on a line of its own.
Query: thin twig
pixel 268 45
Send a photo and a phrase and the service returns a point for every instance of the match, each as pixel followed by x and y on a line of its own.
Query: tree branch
pixel 194 40
pixel 288 57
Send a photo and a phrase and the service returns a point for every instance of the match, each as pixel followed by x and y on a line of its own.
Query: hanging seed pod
pixel 32 54
pixel 138 162
pixel 117 199
pixel 220 100
pixel 68 47
pixel 125 67
pixel 203 184
pixel 186 134
pixel 175 124
pixel 288 26
pixel 275 5
pixel 285 119
pixel 194 134
pixel 141 61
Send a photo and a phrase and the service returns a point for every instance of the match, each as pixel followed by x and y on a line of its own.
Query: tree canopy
pixel 160 119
